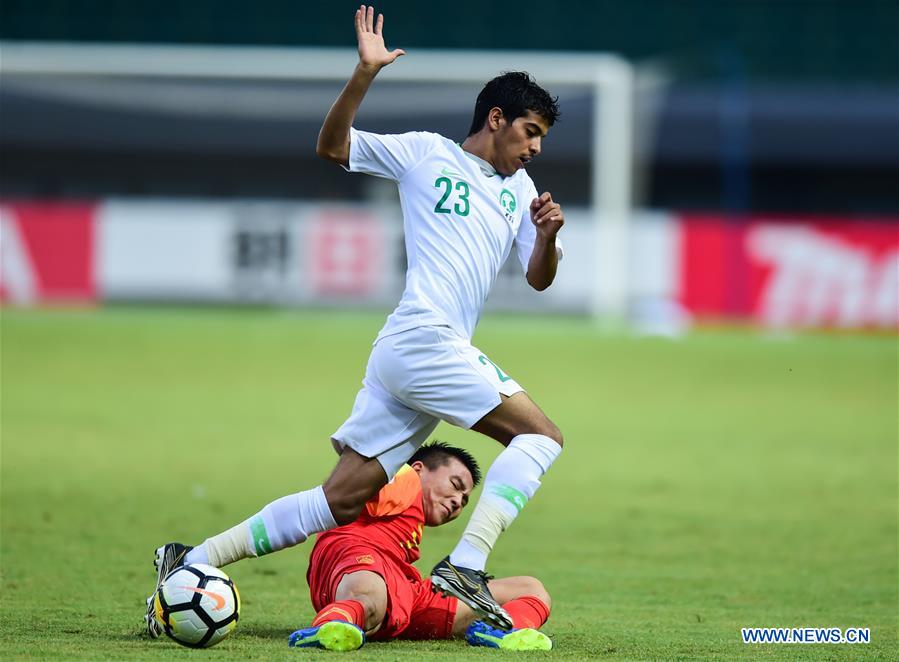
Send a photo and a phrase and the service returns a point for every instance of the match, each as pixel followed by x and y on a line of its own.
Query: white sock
pixel 513 478
pixel 284 522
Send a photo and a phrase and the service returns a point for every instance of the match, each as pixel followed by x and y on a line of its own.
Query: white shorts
pixel 413 380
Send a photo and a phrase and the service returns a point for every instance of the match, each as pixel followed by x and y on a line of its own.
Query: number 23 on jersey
pixel 461 205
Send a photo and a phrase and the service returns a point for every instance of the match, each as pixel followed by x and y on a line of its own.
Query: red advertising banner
pixel 344 253
pixel 821 272
pixel 47 252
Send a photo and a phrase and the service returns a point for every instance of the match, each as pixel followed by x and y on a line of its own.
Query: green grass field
pixel 725 480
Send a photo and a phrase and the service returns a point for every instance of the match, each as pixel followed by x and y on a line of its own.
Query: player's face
pixel 519 142
pixel 445 491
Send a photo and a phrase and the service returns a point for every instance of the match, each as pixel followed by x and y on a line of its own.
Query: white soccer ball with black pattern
pixel 197 605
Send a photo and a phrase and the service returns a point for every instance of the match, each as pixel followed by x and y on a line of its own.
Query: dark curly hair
pixel 438 454
pixel 515 93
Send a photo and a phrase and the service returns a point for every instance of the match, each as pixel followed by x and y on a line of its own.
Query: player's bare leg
pixel 532 443
pixel 289 520
pixel 360 604
pixel 354 480
pixel 368 589
pixel 517 415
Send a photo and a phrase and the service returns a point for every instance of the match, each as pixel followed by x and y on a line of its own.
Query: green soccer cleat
pixel 332 636
pixel 480 633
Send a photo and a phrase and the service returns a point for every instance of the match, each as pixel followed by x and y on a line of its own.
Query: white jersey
pixel 460 223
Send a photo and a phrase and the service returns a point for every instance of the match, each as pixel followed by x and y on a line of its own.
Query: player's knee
pixel 544 427
pixel 534 587
pixel 551 430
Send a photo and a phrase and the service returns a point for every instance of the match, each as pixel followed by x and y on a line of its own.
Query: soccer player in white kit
pixel 464 209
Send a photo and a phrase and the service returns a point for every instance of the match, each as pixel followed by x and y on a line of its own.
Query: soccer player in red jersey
pixel 363 584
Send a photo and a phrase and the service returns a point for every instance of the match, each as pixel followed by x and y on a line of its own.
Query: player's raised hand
pixel 372 51
pixel 547 216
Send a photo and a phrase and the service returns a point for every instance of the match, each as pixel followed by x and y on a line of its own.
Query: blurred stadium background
pixel 167 154
pixel 181 277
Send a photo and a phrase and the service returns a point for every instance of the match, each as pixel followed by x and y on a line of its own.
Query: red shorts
pixel 413 610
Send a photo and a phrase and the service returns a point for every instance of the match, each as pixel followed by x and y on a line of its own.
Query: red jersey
pixel 393 519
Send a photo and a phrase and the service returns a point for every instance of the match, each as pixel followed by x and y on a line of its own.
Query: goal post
pixel 609 79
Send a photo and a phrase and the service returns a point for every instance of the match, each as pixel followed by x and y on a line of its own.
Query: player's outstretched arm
pixel 547 216
pixel 334 137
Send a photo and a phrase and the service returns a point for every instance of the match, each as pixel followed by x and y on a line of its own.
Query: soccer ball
pixel 197 605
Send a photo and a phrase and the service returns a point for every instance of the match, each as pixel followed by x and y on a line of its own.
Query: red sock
pixel 350 611
pixel 527 612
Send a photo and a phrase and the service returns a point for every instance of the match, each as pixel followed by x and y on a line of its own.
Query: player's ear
pixel 495 118
pixel 418 466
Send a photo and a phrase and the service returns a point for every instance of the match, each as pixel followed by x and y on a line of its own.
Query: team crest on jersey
pixel 507 202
